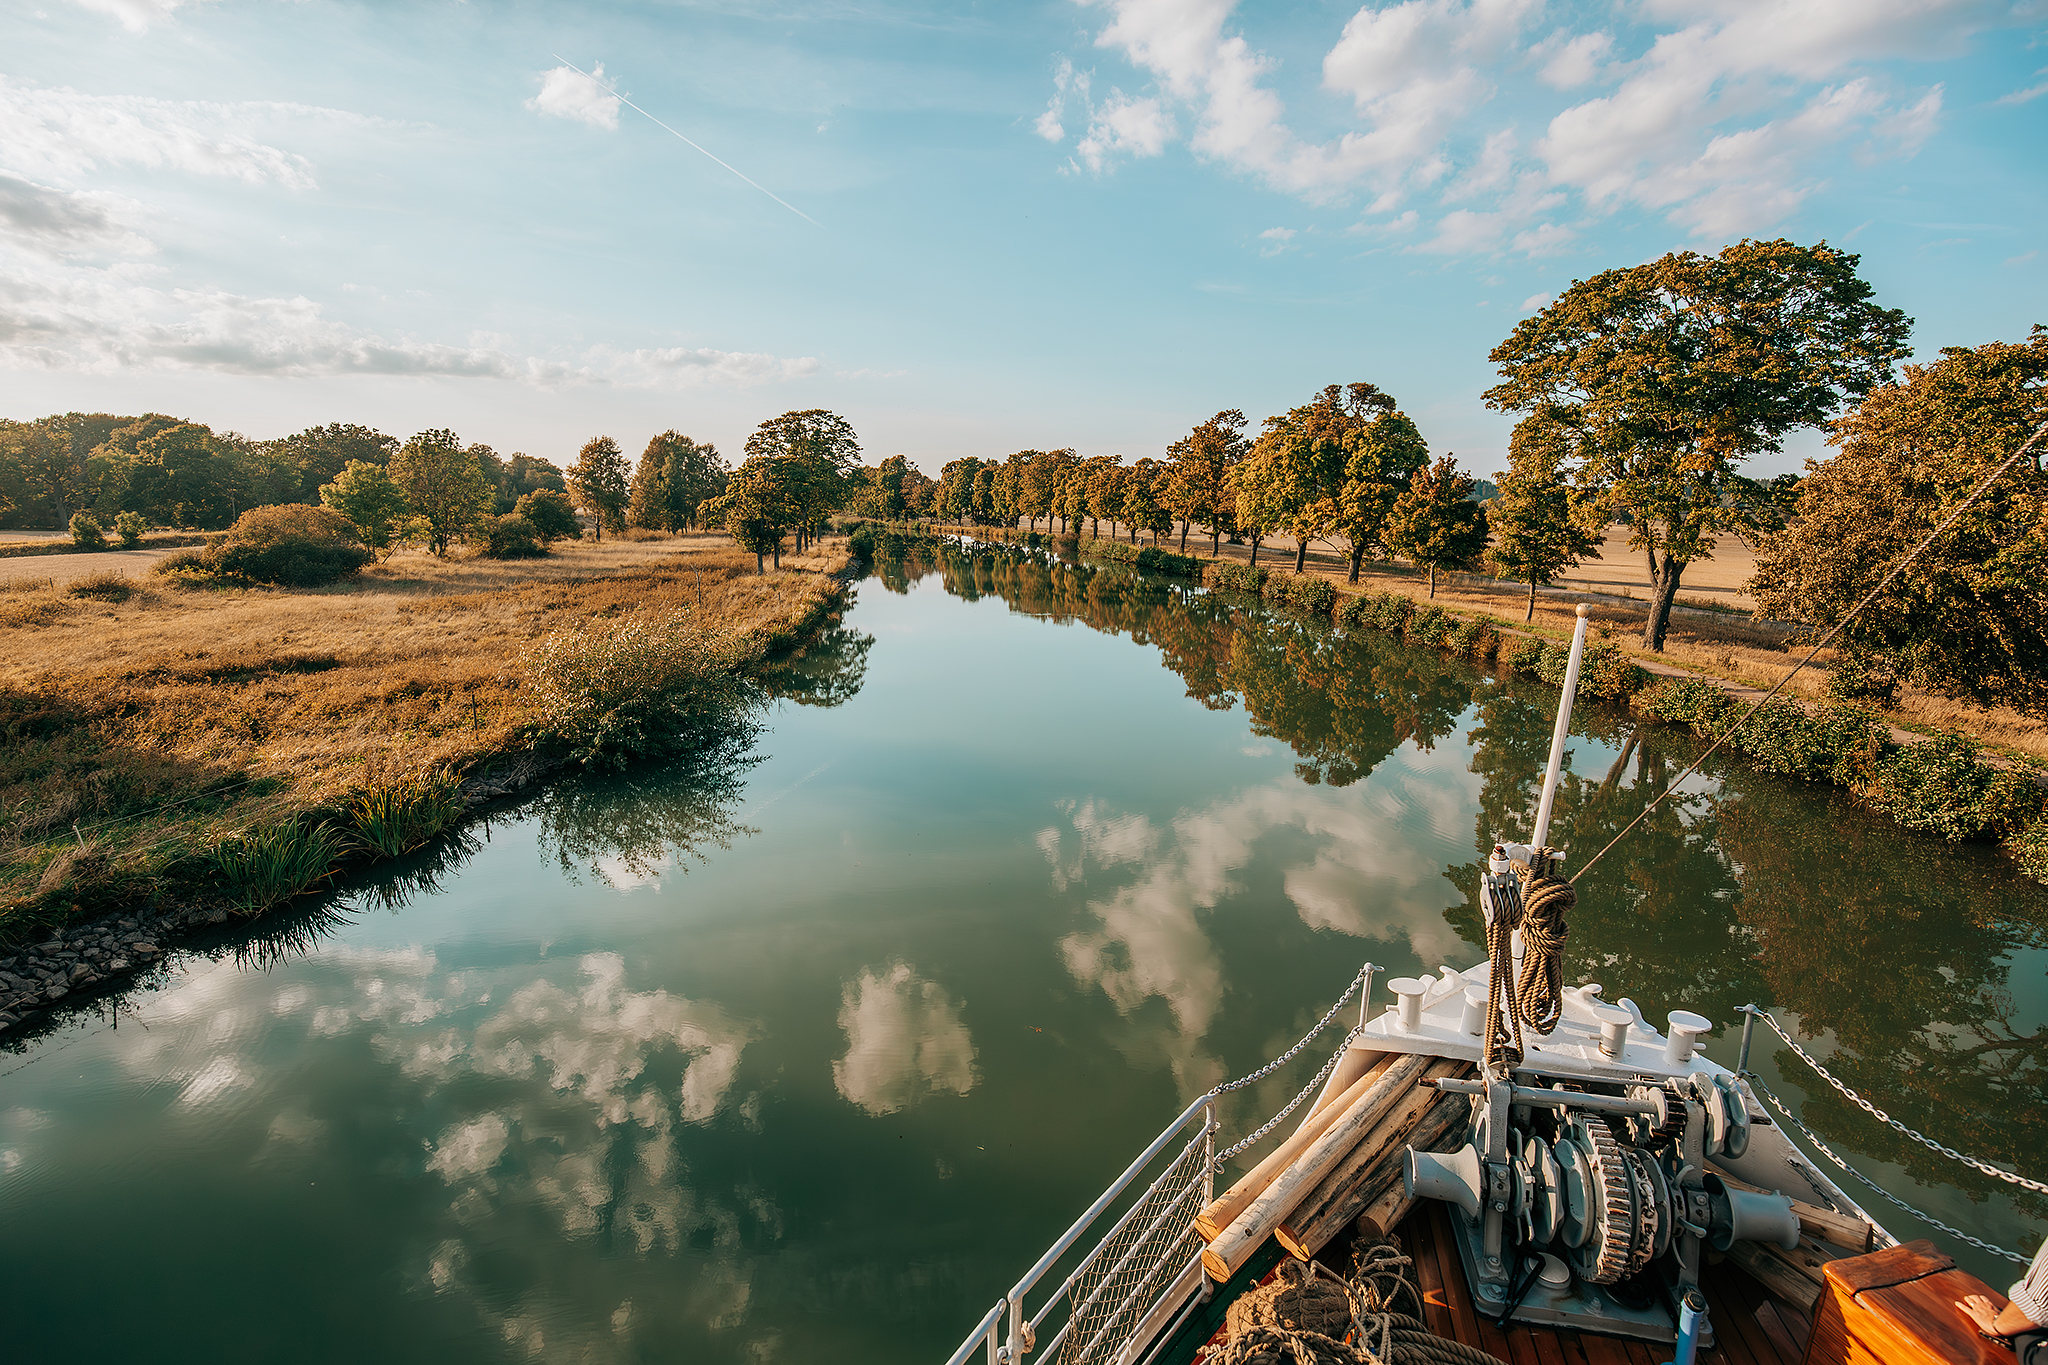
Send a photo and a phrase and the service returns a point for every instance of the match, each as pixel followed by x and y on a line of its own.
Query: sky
pixel 968 228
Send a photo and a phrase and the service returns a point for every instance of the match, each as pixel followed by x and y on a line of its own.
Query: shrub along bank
pixel 1148 557
pixel 1939 786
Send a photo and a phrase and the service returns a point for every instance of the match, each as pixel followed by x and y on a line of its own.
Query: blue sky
pixel 1008 226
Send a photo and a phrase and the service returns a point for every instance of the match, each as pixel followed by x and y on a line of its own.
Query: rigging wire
pixel 1824 641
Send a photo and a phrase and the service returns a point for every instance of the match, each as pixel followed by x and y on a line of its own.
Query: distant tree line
pixel 1641 394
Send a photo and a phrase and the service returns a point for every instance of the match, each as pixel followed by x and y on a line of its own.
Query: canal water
pixel 804 1052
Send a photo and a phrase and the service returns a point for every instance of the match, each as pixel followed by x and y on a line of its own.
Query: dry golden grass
pixel 249 704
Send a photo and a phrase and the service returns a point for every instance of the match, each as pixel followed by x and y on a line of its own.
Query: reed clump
pixel 396 814
pixel 259 868
pixel 105 586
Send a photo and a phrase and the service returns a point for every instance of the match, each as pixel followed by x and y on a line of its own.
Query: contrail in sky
pixel 614 92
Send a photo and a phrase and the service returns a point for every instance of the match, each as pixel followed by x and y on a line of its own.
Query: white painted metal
pixel 1561 731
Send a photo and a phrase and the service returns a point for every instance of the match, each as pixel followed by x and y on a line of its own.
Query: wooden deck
pixel 1750 1328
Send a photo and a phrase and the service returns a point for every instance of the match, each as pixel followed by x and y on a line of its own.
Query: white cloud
pixel 60 133
pixel 1572 60
pixel 2032 92
pixel 1725 118
pixel 904 1040
pixel 74 297
pixel 1067 83
pixel 689 367
pixel 1278 234
pixel 46 219
pixel 567 93
pixel 1536 301
pixel 1120 123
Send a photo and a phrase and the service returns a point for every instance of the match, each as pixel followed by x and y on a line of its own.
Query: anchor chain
pixel 1364 975
pixel 1786 1113
pixel 2009 1177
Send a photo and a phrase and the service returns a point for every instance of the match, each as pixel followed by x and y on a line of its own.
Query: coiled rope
pixel 1315 1317
pixel 1537 906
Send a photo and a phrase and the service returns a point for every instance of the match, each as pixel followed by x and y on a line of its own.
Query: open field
pixel 65 567
pixel 146 723
pixel 1718 579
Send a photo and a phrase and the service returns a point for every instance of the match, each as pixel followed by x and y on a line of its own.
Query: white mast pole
pixel 1558 735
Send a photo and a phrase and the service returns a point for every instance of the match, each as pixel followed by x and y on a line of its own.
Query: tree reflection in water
pixel 1743 888
pixel 1759 889
pixel 629 828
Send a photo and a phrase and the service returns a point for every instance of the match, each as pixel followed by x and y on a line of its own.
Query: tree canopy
pixel 600 481
pixel 676 475
pixel 821 455
pixel 1199 486
pixel 364 493
pixel 1436 523
pixel 445 485
pixel 1666 377
pixel 1539 525
pixel 1970 617
pixel 318 454
pixel 758 506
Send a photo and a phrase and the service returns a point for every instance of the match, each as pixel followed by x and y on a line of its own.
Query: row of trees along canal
pixel 1641 392
pixel 1707 906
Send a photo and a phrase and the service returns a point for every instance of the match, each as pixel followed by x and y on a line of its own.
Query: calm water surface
pixel 807 1057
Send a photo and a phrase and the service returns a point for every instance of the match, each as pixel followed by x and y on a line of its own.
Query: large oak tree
pixel 1669 376
pixel 821 456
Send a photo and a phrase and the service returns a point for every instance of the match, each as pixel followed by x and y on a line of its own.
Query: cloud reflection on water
pixel 1370 871
pixel 904 1040
pixel 585 1086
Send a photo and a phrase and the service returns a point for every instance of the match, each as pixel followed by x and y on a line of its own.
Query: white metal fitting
pixel 1472 1019
pixel 1409 992
pixel 1614 1022
pixel 1683 1041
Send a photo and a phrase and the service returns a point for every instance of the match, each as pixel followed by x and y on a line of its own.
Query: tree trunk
pixel 1215 543
pixel 1183 535
pixel 1357 554
pixel 778 556
pixel 1663 590
pixel 1530 614
pixel 1255 549
pixel 757 564
pixel 1300 555
pixel 1432 582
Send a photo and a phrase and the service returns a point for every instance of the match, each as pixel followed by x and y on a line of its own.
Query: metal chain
pixel 1364 973
pixel 2009 1177
pixel 1786 1113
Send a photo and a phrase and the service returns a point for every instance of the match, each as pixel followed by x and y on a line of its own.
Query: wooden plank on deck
pixel 1436 1302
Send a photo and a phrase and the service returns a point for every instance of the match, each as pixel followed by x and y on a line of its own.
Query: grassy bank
pixel 1938 785
pixel 233 745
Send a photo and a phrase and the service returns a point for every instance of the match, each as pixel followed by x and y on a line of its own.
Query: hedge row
pixel 1938 786
pixel 1147 557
